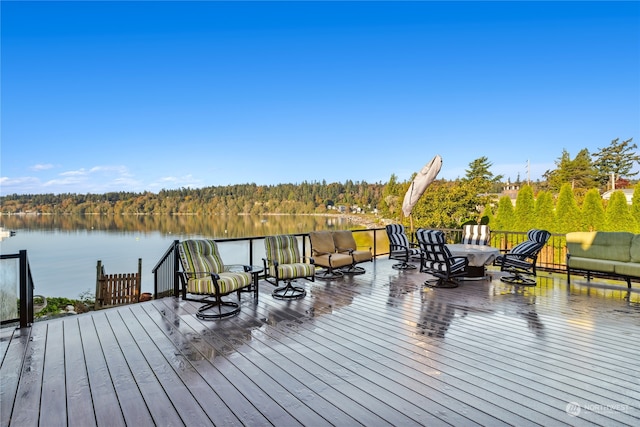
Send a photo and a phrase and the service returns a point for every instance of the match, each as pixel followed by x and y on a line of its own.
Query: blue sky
pixel 144 96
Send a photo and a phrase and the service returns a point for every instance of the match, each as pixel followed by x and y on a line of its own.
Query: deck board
pixel 375 349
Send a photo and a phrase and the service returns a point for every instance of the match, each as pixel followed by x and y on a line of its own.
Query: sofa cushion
pixel 614 246
pixel 628 269
pixel 592 264
pixel 635 248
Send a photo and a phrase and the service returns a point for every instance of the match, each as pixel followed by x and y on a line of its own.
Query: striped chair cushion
pixel 294 270
pixel 398 239
pixel 199 259
pixel 475 235
pixel 200 256
pixel 438 257
pixel 228 282
pixel 397 235
pixel 520 255
pixel 284 249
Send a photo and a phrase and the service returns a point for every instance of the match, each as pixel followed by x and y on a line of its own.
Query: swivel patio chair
pixel 345 243
pixel 476 235
pixel 323 251
pixel 436 260
pixel 399 247
pixel 283 263
pixel 204 273
pixel 521 260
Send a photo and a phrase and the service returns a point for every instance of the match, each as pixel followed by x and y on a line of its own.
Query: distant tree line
pixel 569 199
pixel 219 200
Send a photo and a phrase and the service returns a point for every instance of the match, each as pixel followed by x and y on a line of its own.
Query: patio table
pixel 478 255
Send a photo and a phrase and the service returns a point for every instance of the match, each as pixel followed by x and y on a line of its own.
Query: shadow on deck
pixel 376 349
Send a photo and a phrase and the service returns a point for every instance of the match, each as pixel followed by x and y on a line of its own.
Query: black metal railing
pixel 25 292
pixel 251 251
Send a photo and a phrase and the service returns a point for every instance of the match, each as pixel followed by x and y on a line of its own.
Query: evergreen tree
pixel 545 216
pixel 504 219
pixel 635 206
pixel 567 212
pixel 579 172
pixel 618 215
pixel 391 202
pixel 480 176
pixel 525 211
pixel 618 158
pixel 593 211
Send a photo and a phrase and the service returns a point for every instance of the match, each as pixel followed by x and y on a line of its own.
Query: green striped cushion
pixel 282 248
pixel 199 259
pixel 228 282
pixel 200 256
pixel 292 271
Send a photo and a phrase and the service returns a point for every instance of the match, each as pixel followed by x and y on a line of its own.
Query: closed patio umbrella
pixel 419 184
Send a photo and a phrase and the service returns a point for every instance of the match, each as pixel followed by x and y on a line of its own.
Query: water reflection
pixel 200 225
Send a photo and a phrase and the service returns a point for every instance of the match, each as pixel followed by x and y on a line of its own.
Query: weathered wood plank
pixel 133 406
pixel 179 354
pixel 148 385
pixel 284 388
pixel 10 371
pixel 78 392
pixel 178 393
pixel 105 403
pixel 26 411
pixel 53 407
pixel 202 356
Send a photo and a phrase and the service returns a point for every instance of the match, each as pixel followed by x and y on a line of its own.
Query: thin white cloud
pixel 41 167
pixel 79 172
pixel 186 181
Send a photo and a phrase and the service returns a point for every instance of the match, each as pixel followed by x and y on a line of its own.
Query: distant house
pixel 628 192
pixel 511 190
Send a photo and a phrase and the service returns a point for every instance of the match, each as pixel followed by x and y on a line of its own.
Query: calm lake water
pixel 63 250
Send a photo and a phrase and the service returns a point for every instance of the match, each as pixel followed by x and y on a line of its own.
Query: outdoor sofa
pixel 609 253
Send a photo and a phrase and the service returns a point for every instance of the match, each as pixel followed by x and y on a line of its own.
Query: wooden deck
pixel 376 349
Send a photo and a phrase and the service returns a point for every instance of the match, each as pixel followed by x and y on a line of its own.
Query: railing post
pixel 26 291
pixel 176 268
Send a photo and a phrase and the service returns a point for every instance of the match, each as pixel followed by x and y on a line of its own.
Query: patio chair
pixel 323 251
pixel 399 247
pixel 436 259
pixel 345 243
pixel 521 260
pixel 283 263
pixel 204 273
pixel 476 235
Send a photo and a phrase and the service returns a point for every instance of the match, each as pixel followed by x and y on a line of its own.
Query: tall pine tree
pixel 545 216
pixel 592 211
pixel 568 217
pixel 525 214
pixel 618 215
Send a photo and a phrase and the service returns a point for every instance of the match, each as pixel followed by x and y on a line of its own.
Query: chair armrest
pixel 317 253
pixel 237 267
pixel 341 250
pixel 199 275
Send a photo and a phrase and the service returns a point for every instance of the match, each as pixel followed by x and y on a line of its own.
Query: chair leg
pixel 217 309
pixel 403 265
pixel 441 282
pixel 518 279
pixel 289 292
pixel 353 270
pixel 328 274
